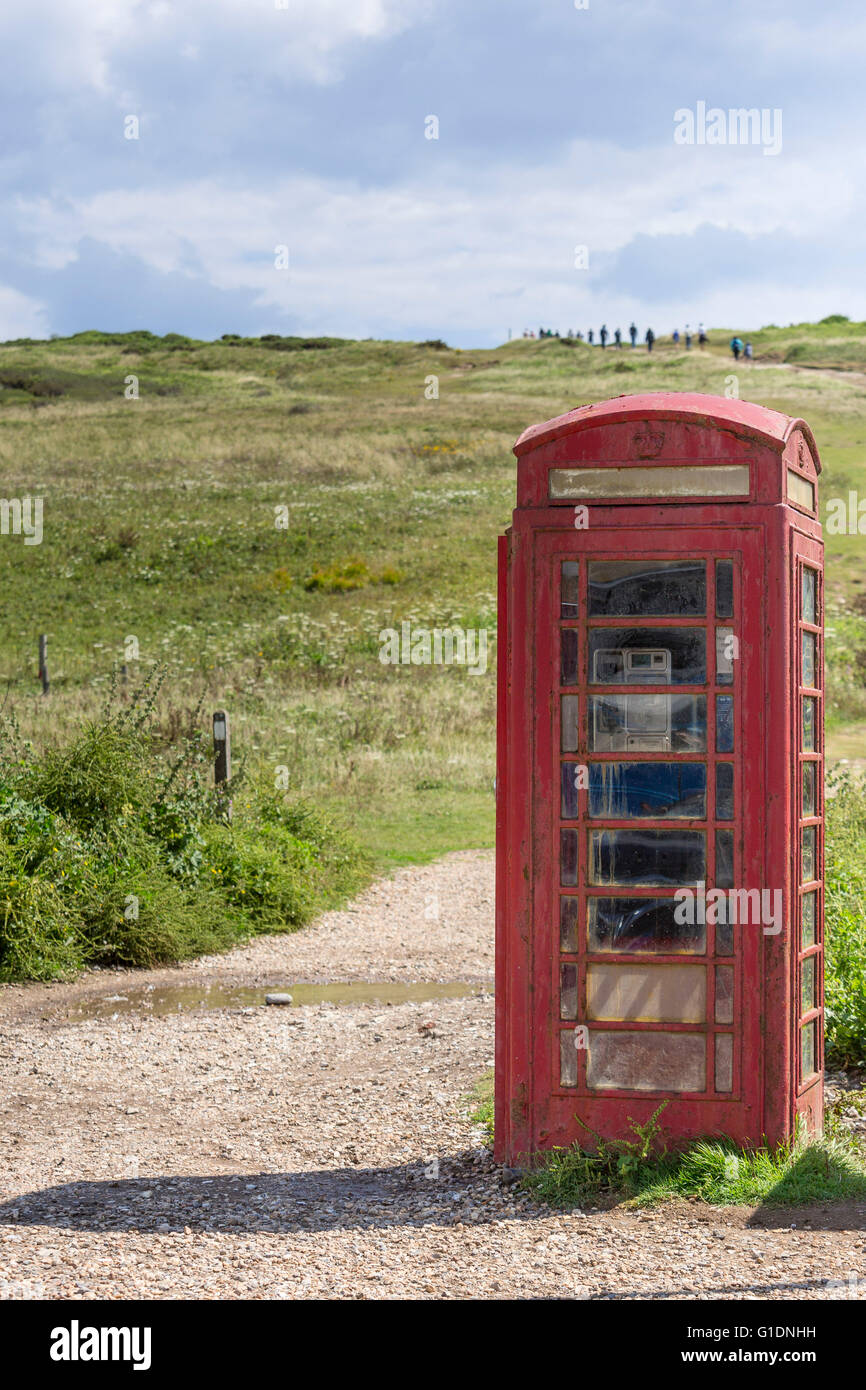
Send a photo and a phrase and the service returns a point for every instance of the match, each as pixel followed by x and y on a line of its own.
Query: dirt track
pixel 326 1150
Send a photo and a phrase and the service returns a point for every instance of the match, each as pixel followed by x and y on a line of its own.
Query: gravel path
pixel 323 1151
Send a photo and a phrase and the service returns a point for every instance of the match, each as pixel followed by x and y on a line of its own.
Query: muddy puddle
pixel 171 999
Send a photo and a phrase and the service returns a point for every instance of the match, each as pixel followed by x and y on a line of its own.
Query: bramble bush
pixel 845 924
pixel 115 850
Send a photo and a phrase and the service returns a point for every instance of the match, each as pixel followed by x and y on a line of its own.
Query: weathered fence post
pixel 222 758
pixel 43 663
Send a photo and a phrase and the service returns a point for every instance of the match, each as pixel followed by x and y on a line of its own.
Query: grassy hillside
pixel 835 342
pixel 160 526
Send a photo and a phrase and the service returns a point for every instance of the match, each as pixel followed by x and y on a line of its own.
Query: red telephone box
pixel 659 919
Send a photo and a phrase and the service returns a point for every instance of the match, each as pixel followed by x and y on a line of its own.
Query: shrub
pixel 845 922
pixel 38 932
pixel 353 574
pixel 115 851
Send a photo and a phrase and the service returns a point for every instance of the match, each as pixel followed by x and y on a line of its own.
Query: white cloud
pixel 441 250
pixel 21 317
pixel 386 249
pixel 65 44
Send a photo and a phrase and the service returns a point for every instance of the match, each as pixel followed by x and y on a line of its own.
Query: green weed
pixel 643 1171
pixel 115 850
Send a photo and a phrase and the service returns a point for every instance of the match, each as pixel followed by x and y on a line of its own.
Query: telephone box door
pixel 648 737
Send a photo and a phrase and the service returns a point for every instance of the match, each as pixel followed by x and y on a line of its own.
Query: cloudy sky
pixel 304 124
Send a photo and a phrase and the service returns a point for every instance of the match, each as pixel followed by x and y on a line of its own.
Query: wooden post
pixel 43 663
pixel 222 757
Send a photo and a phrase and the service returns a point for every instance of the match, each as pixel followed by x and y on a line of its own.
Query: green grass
pixel 163 524
pixel 845 894
pixel 715 1171
pixel 160 524
pixel 428 822
pixel 642 1171
pixel 480 1102
pixel 836 343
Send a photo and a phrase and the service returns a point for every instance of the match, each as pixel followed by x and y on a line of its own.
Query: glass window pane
pixel 568 923
pixel 807 1050
pixel 646 1061
pixel 567 990
pixel 724 588
pixel 568 591
pixel 682 480
pixel 724 994
pixel 646 993
pixel 568 858
pixel 647 857
pixel 809 786
pixel 725 648
pixel 724 1062
pixel 724 723
pixel 808 668
pixel 807 929
pixel 642 924
pixel 807 984
pixel 648 723
pixel 809 724
pixel 801 490
pixel 647 588
pixel 569 776
pixel 724 935
pixel 569 655
pixel 567 1058
pixel 809 594
pixel 724 859
pixel 808 854
pixel 626 791
pixel 569 723
pixel 647 656
pixel 724 791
